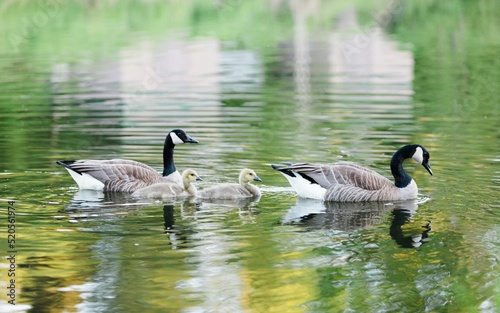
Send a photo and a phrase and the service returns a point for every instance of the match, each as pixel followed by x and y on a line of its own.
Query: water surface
pixel 299 88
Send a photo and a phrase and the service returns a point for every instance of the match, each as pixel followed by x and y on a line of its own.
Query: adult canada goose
pixel 348 182
pixel 233 191
pixel 127 175
pixel 170 190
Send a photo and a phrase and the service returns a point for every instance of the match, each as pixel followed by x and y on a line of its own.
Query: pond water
pixel 256 83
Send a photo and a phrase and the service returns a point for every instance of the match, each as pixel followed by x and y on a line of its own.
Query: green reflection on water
pixel 244 258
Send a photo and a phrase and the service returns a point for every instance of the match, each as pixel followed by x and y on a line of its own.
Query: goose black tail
pixel 65 163
pixel 283 170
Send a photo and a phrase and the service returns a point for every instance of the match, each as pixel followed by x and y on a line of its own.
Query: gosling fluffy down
pixel 171 190
pixel 234 191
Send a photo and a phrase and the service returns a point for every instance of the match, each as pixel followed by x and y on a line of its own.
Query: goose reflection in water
pixel 401 216
pixel 168 217
pixel 335 215
pixel 178 235
pixel 187 209
pixel 95 203
pixel 316 214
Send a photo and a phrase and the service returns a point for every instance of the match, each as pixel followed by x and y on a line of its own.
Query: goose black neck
pixel 401 178
pixel 168 157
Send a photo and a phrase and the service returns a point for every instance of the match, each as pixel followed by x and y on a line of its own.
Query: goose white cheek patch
pixel 175 139
pixel 418 156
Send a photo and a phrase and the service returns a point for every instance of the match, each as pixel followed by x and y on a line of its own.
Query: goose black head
pixel 179 136
pixel 421 156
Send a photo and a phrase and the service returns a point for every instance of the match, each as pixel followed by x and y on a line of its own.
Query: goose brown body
pixel 121 175
pixel 349 182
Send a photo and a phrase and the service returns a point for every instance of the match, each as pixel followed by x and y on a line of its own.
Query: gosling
pixel 171 190
pixel 234 191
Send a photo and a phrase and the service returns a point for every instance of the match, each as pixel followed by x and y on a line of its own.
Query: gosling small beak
pixel 198 178
pixel 427 167
pixel 190 140
pixel 257 178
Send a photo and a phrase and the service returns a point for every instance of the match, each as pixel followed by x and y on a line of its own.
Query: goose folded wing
pixel 119 175
pixel 352 174
pixel 119 162
pixel 343 173
pixel 350 193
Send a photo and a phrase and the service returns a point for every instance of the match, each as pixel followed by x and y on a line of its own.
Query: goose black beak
pixel 257 178
pixel 198 178
pixel 427 167
pixel 190 140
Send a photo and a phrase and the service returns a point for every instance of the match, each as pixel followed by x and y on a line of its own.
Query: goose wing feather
pixel 351 193
pixel 341 173
pixel 117 174
pixel 174 177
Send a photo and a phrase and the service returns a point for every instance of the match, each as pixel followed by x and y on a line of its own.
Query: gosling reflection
pixel 245 206
pixel 232 203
